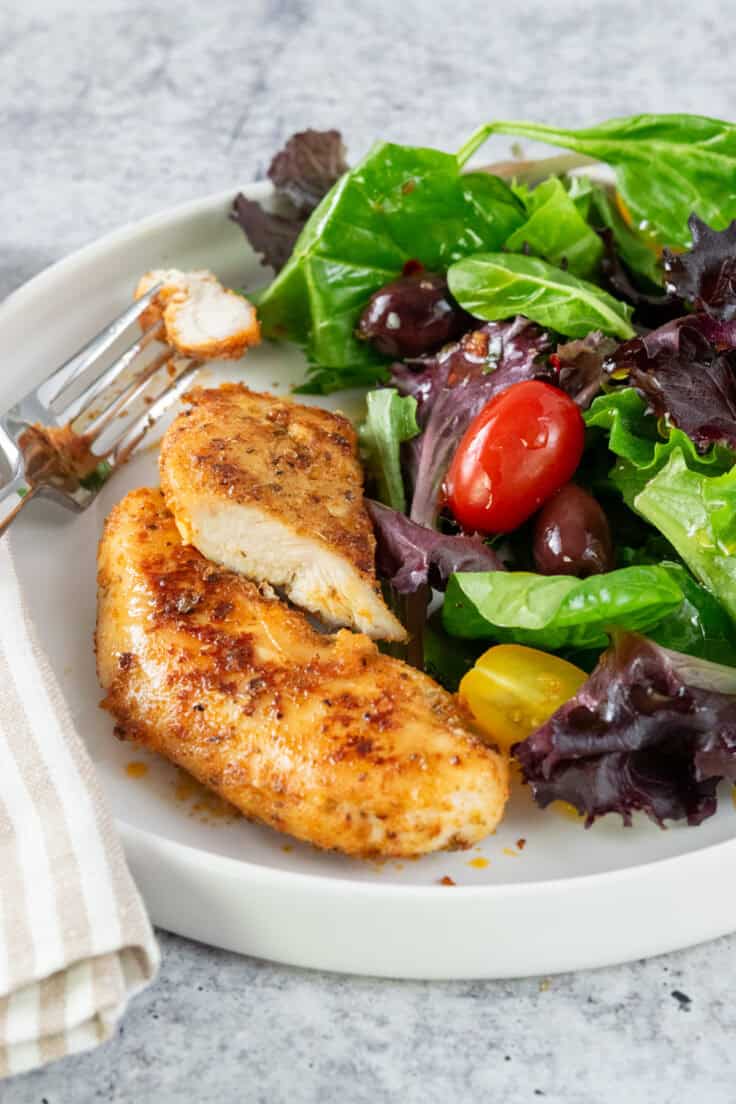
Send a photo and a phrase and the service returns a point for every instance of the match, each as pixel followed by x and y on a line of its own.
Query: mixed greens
pixel 551 427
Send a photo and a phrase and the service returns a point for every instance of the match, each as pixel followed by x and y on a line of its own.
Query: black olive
pixel 572 535
pixel 412 315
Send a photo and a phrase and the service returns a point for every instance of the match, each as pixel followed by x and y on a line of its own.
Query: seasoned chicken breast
pixel 274 490
pixel 202 319
pixel 317 735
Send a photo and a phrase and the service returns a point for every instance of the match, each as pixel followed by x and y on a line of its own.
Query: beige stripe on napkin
pixel 75 942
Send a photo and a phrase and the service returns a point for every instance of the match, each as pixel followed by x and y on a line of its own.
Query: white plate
pixel 569 899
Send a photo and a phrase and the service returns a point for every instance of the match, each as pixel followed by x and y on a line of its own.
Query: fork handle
pixel 13 497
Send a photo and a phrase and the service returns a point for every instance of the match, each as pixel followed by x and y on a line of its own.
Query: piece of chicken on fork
pixel 274 489
pixel 317 735
pixel 200 317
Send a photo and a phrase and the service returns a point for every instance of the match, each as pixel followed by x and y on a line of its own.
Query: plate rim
pixel 504 889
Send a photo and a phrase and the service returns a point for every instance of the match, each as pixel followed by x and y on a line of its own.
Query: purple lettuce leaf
pixel 421 378
pixel 684 377
pixel 495 347
pixel 454 385
pixel 307 167
pixel 452 411
pixel 721 334
pixel 706 275
pixel 302 173
pixel 666 338
pixel 580 366
pixel 271 235
pixel 409 555
pixel 651 730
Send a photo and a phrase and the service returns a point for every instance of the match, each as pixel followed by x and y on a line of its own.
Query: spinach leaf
pixel 666 165
pixel 390 420
pixel 686 506
pixel 501 285
pixel 400 203
pixel 639 256
pixel 556 230
pixel 558 611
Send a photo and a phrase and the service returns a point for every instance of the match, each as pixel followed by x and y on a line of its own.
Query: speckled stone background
pixel 110 111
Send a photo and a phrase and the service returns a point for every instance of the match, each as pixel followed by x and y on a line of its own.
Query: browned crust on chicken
pixel 154 312
pixel 318 736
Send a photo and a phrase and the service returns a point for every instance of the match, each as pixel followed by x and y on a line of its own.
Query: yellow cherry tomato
pixel 512 690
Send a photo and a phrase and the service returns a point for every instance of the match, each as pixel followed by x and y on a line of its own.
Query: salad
pixel 550 432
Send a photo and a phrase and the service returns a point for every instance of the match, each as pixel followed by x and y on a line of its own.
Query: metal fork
pixel 67 436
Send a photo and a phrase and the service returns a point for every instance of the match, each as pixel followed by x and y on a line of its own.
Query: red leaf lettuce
pixel 706 275
pixel 651 730
pixel 302 173
pixel 410 555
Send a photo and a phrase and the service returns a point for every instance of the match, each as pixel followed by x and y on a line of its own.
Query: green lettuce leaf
pixel 400 203
pixel 558 611
pixel 632 433
pixel 580 189
pixel 556 230
pixel 390 420
pixel 691 509
pixel 641 450
pixel 494 286
pixel 719 494
pixel 689 497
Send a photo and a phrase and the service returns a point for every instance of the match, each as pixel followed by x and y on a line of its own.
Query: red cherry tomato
pixel 522 447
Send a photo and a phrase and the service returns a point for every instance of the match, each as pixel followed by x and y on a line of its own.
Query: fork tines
pixel 52 388
pixel 137 388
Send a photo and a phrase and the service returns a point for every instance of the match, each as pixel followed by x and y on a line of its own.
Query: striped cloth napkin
pixel 75 941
